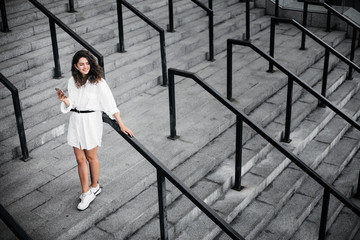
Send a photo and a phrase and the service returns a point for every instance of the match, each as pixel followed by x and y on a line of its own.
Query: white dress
pixel 86 129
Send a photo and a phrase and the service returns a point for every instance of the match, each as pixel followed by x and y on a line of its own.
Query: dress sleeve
pixel 107 101
pixel 63 107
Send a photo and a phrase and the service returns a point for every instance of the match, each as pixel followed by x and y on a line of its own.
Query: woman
pixel 89 95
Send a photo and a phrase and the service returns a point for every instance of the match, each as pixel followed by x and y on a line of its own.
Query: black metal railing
pixel 54 20
pixel 148 21
pixel 328 49
pixel 328 189
pixel 71 6
pixel 210 13
pixel 247 20
pixel 291 78
pixel 330 10
pixel 12 224
pixel 164 173
pixel 18 115
pixel 5 25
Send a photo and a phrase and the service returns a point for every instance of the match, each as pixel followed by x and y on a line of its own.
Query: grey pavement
pixel 42 193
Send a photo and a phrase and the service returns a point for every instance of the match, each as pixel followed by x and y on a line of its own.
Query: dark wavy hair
pixel 95 73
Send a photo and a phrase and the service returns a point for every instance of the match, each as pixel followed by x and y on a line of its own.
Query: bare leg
pixel 92 158
pixel 83 169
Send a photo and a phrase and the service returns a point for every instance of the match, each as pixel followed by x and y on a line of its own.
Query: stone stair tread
pixel 146 175
pixel 135 238
pixel 268 202
pixel 225 205
pixel 343 183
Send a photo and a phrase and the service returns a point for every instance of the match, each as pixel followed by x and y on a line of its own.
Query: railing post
pixel 101 63
pixel 247 15
pixel 272 44
pixel 286 135
pixel 121 47
pixel 229 69
pixel 162 205
pixel 303 35
pixel 5 25
pixel 211 4
pixel 328 20
pixel 71 6
pixel 325 75
pixel 20 125
pixel 357 194
pixel 172 106
pixel 211 36
pixel 170 26
pixel 57 69
pixel 163 57
pixel 324 214
pixel 352 53
pixel 238 153
pixel 276 8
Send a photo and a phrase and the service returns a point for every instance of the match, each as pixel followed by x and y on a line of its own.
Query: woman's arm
pixel 122 125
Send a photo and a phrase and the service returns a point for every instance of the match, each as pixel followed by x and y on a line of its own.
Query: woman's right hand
pixel 62 97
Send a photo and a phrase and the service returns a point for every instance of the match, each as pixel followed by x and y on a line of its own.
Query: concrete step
pixel 225 203
pixel 89 18
pixel 125 179
pixel 22 63
pixel 109 48
pixel 305 196
pixel 32 102
pixel 111 180
pixel 118 227
pixel 345 224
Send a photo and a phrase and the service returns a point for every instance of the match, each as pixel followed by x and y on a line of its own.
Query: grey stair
pixel 119 226
pixel 128 67
pixel 128 179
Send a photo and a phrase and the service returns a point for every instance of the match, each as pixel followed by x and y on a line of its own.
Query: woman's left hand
pixel 127 131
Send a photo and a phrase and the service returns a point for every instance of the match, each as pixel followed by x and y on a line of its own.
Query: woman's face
pixel 83 66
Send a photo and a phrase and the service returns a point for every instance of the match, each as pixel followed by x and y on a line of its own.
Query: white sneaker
pixel 96 190
pixel 86 199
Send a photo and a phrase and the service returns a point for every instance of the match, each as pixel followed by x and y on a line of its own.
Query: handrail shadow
pixel 161 32
pixel 18 115
pixel 164 173
pixel 328 189
pixel 12 224
pixel 356 27
pixel 54 20
pixel 210 13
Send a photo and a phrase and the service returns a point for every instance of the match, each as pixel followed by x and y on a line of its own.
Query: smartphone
pixel 59 90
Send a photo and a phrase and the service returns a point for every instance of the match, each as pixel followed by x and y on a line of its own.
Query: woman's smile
pixel 83 66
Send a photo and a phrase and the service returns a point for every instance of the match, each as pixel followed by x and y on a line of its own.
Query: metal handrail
pixel 54 20
pixel 5 25
pixel 292 77
pixel 162 173
pixel 210 13
pixel 18 115
pixel 328 189
pixel 328 48
pixel 356 27
pixel 148 21
pixel 12 224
